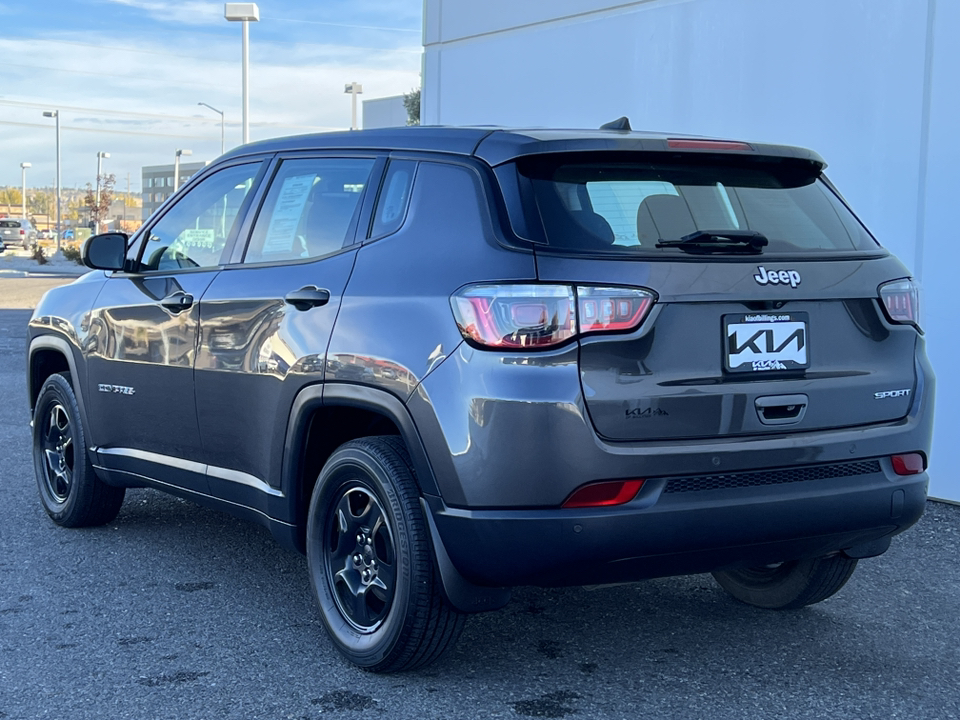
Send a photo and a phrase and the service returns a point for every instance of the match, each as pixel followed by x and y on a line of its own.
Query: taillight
pixel 536 316
pixel 908 464
pixel 611 309
pixel 22 232
pixel 901 301
pixel 604 494
pixel 516 316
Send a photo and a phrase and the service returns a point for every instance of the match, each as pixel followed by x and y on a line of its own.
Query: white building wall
pixel 384 112
pixel 869 84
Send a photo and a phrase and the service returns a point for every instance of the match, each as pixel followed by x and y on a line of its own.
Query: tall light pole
pixel 176 167
pixel 23 193
pixel 245 13
pixel 354 89
pixel 100 158
pixel 56 115
pixel 221 122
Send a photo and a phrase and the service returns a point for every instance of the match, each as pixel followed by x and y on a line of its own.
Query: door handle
pixel 308 297
pixel 178 301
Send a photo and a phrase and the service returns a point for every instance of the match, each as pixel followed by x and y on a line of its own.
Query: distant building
pixel 121 215
pixel 158 183
pixel 384 112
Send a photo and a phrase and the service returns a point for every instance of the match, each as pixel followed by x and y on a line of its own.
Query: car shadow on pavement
pixel 660 644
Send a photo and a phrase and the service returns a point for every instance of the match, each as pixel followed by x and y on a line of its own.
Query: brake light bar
pixel 532 316
pixel 696 144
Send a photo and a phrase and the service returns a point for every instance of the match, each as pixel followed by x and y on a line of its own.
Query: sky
pixel 127 77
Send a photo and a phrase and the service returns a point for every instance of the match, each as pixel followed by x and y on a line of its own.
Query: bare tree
pixel 100 209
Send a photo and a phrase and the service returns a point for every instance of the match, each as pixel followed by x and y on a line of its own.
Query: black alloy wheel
pixel 371 560
pixel 70 491
pixel 359 557
pixel 56 440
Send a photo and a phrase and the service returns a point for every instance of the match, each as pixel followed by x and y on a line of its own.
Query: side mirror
pixel 107 251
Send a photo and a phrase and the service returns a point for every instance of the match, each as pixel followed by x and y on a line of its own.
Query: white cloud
pixel 191 12
pixel 137 99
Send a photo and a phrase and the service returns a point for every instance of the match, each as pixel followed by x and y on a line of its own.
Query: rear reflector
pixel 909 464
pixel 683 144
pixel 603 494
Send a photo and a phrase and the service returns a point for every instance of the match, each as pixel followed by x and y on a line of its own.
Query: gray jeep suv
pixel 444 362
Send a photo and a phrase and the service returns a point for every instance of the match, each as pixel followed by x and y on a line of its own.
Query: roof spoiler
pixel 621 123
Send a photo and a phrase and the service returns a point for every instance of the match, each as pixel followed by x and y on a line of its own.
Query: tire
pixel 788 585
pixel 371 561
pixel 70 490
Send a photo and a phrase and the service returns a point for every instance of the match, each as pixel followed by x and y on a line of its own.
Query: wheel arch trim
pixel 362 397
pixel 52 342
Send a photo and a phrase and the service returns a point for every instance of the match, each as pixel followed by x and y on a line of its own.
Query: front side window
pixel 194 232
pixel 628 207
pixel 310 206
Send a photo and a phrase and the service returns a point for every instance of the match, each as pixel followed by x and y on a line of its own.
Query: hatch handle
pixel 781 409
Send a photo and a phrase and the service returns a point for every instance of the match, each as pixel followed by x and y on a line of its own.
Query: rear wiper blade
pixel 719 241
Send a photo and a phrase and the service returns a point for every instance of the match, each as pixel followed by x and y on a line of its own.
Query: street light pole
pixel 221 122
pixel 100 157
pixel 354 89
pixel 176 167
pixel 244 13
pixel 56 115
pixel 23 192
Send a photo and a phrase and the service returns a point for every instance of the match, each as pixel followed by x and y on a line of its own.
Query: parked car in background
pixel 444 362
pixel 18 231
pixel 46 235
pixel 77 235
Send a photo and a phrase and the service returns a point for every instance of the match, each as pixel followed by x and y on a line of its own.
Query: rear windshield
pixel 9 223
pixel 627 208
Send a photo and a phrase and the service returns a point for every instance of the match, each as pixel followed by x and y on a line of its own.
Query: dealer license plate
pixel 759 342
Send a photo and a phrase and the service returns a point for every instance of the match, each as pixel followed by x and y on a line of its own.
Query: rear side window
pixel 392 203
pixel 309 208
pixel 627 208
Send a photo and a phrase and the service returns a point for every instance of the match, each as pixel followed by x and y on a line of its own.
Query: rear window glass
pixel 9 224
pixel 629 207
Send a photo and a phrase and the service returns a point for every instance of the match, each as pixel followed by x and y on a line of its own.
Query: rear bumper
pixel 511 432
pixel 661 534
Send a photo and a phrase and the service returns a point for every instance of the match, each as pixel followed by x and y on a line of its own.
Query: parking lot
pixel 175 611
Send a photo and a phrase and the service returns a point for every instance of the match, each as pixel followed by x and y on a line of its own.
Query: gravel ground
pixel 174 611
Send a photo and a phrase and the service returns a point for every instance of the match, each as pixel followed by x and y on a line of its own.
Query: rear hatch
pixel 768 315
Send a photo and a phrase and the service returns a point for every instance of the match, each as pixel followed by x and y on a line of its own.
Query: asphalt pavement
pixel 175 611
